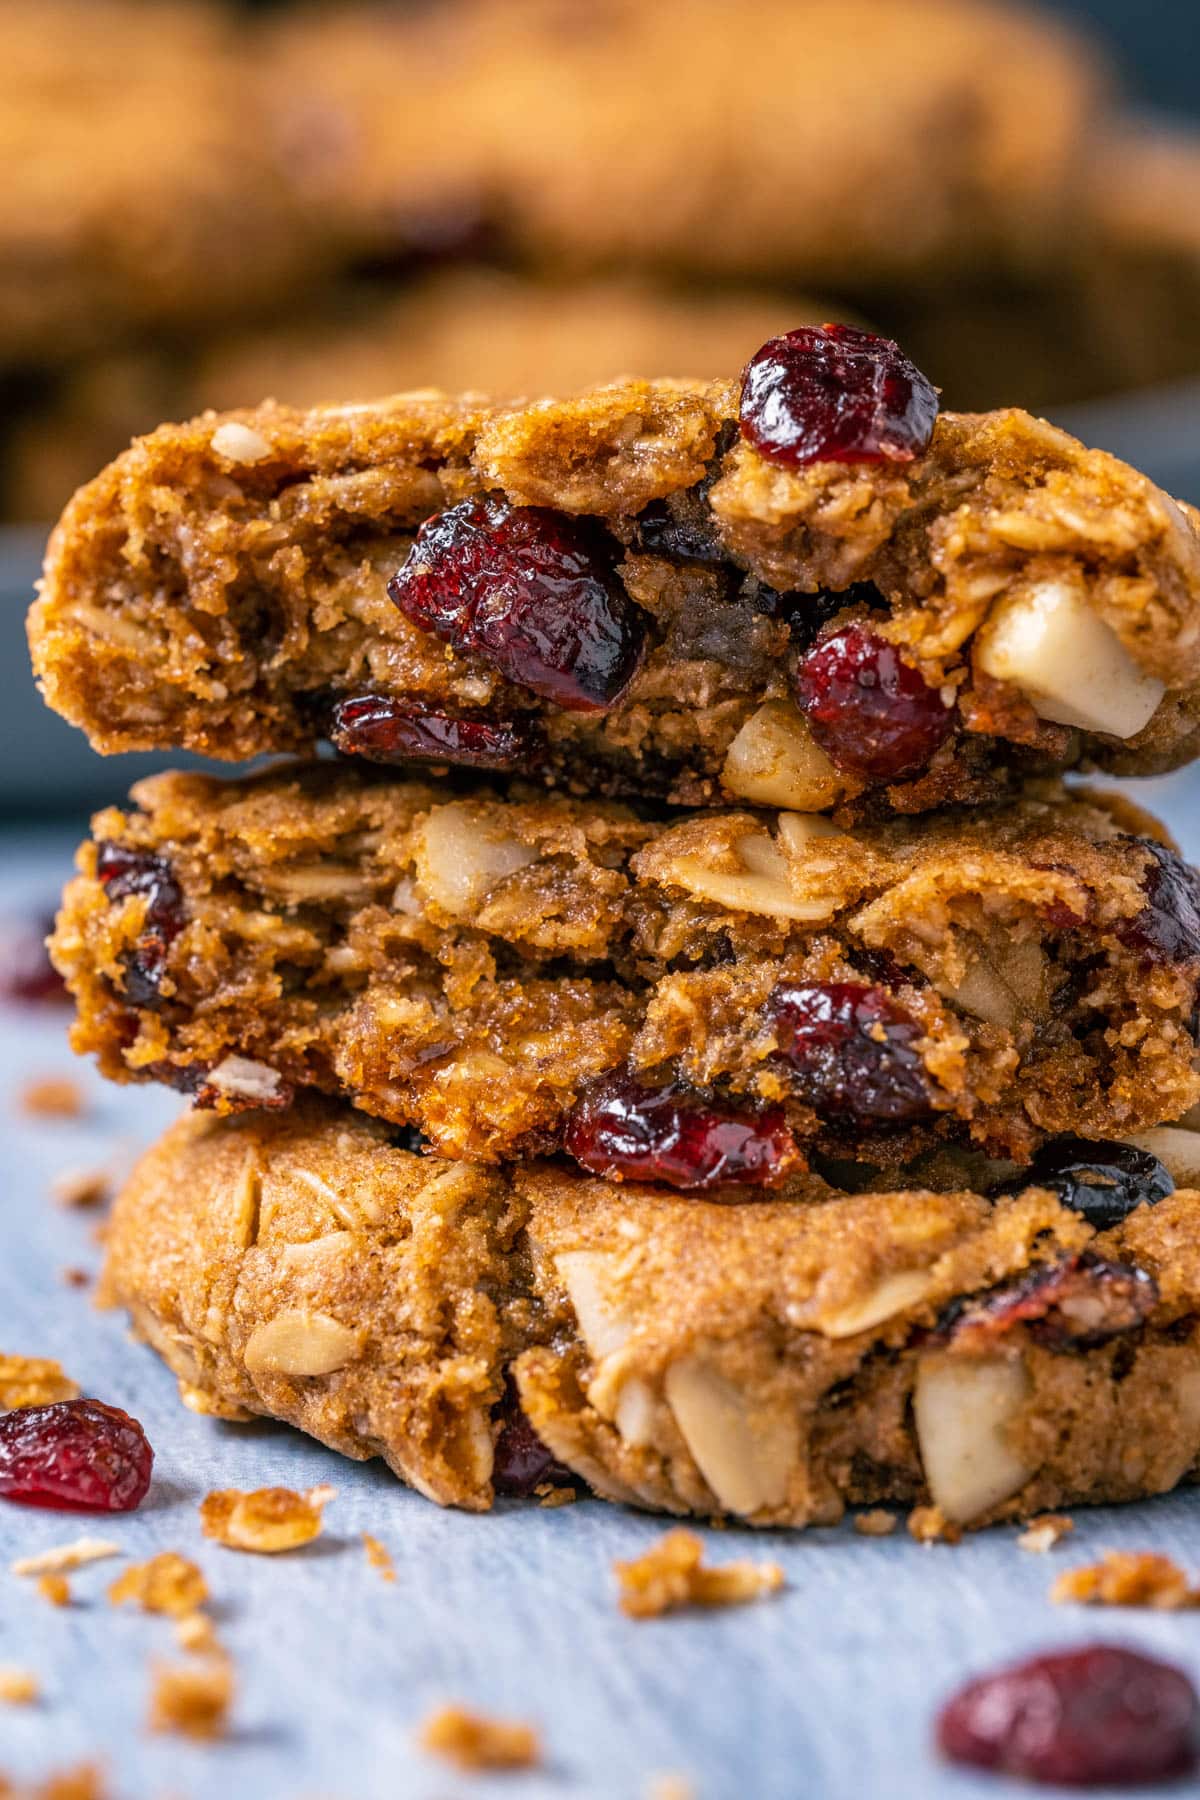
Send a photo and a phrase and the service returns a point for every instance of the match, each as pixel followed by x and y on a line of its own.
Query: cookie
pixel 853 143
pixel 699 999
pixel 775 1361
pixel 639 591
pixel 137 193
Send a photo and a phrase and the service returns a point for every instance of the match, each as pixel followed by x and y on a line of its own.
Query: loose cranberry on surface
pixel 1102 1180
pixel 531 591
pixel 521 1461
pixel 629 1132
pixel 1167 930
pixel 122 872
pixel 849 1050
pixel 832 393
pixel 26 973
pixel 383 729
pixel 1098 1716
pixel 76 1455
pixel 870 711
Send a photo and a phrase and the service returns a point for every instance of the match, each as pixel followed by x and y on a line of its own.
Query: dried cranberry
pixel 533 592
pixel 383 729
pixel 832 393
pixel 624 1130
pixel 683 532
pixel 122 872
pixel 75 1454
pixel 1104 1181
pixel 1167 930
pixel 870 711
pixel 1100 1715
pixel 849 1052
pixel 26 972
pixel 521 1461
pixel 1074 1303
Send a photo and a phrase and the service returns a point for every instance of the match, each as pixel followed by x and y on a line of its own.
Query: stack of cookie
pixel 688 1041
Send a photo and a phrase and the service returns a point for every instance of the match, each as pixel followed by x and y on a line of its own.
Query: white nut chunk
pixel 894 1294
pixel 765 882
pixel 962 1406
pixel 1007 983
pixel 775 761
pixel 1070 665
pixel 299 1342
pixel 462 857
pixel 745 1452
pixel 239 443
pixel 1176 1148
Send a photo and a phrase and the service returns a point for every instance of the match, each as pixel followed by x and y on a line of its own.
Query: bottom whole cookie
pixel 773 1360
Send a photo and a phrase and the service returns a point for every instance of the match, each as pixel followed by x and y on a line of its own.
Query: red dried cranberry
pixel 122 872
pixel 383 729
pixel 521 1461
pixel 1097 1716
pixel 1075 1303
pixel 77 1454
pixel 832 393
pixel 626 1131
pixel 870 711
pixel 26 972
pixel 1167 930
pixel 1102 1180
pixel 533 592
pixel 849 1051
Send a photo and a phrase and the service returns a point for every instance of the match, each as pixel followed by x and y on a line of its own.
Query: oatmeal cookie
pixel 849 142
pixel 507 974
pixel 776 1361
pixel 138 192
pixel 819 595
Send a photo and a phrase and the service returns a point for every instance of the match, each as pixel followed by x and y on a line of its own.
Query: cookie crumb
pixel 672 1575
pixel 82 1783
pixel 1127 1578
pixel 19 1687
pixel 66 1556
pixel 192 1699
pixel 1042 1534
pixel 875 1523
pixel 268 1520
pixel 76 1278
pixel 379 1556
pixel 33 1381
pixel 81 1189
pixel 56 1589
pixel 168 1583
pixel 473 1741
pixel 196 1633
pixel 52 1097
pixel 670 1787
pixel 929 1525
pixel 550 1496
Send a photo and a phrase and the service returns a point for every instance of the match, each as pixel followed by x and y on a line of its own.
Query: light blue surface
pixel 824 1693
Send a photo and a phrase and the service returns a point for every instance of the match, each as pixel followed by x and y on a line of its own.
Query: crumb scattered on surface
pixel 473 1741
pixel 168 1583
pixel 379 1556
pixel 1127 1578
pixel 267 1520
pixel 76 1278
pixel 33 1381
pixel 19 1687
pixel 56 1589
pixel 196 1633
pixel 83 1188
pixel 875 1523
pixel 671 1575
pixel 52 1097
pixel 82 1783
pixel 670 1787
pixel 549 1495
pixel 929 1525
pixel 192 1699
pixel 1042 1534
pixel 66 1556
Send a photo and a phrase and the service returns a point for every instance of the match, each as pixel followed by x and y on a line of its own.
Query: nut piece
pixel 962 1406
pixel 33 1381
pixel 268 1520
pixel 763 883
pixel 473 1741
pixel 1178 1150
pixel 239 443
pixel 894 1294
pixel 192 1699
pixel 1070 665
pixel 671 1575
pixel 241 1078
pixel 1005 985
pixel 66 1556
pixel 298 1342
pixel 461 857
pixel 775 761
pixel 168 1583
pixel 745 1453
pixel 604 1327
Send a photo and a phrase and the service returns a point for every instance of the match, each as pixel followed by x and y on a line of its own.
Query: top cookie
pixel 853 142
pixel 819 596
